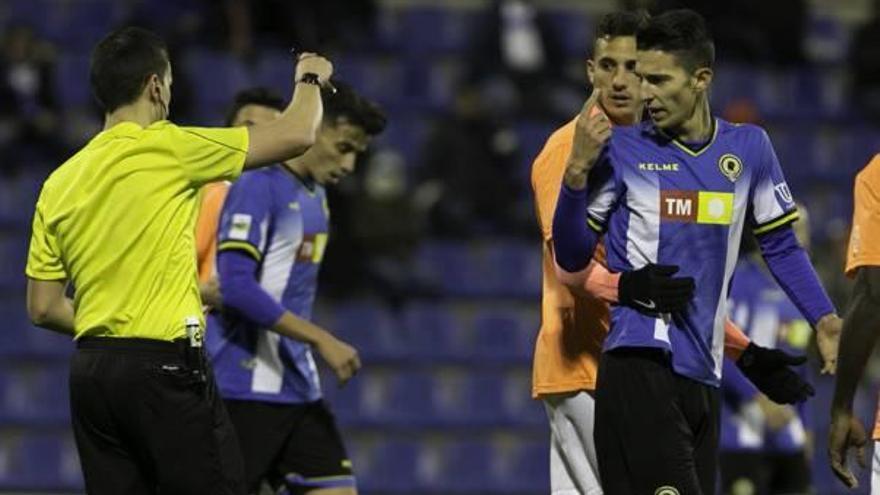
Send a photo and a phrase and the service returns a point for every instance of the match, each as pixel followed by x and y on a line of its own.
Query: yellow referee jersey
pixel 118 220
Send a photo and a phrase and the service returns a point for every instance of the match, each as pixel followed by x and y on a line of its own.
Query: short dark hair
pixel 620 24
pixel 357 110
pixel 121 64
pixel 683 33
pixel 263 97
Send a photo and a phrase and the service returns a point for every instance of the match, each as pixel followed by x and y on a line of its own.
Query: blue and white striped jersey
pixel 273 216
pixel 662 202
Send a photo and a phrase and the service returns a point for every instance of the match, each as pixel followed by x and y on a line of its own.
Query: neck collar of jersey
pixel 307 182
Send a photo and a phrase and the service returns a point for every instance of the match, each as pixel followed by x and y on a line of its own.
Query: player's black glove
pixel 653 290
pixel 769 370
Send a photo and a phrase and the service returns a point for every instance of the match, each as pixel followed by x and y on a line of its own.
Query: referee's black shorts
pixel 656 432
pixel 146 424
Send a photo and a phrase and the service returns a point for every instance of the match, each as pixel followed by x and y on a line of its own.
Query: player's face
pixel 669 91
pixel 612 70
pixel 335 151
pixel 249 115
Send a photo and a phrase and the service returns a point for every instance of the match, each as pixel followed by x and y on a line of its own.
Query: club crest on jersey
pixel 731 166
pixel 705 207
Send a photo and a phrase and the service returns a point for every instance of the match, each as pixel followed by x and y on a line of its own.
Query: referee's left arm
pixel 47 305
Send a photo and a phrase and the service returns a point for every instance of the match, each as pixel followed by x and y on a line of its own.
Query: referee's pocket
pixel 176 376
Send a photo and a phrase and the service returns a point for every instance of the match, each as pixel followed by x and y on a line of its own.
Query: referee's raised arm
pixel 294 131
pixel 116 221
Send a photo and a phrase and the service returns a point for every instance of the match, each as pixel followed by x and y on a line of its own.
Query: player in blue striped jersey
pixel 676 190
pixel 271 240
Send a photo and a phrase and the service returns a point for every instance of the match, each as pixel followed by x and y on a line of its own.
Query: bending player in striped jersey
pixel 272 235
pixel 677 190
pixel 575 320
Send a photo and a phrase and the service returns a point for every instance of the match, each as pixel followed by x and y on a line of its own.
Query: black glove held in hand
pixel 653 290
pixel 769 370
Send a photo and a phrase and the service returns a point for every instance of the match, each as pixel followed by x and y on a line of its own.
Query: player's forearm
pixel 240 290
pixel 735 340
pixel 790 266
pixel 290 135
pixel 859 337
pixel 574 241
pixel 290 325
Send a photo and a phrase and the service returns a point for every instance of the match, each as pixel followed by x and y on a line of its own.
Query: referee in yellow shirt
pixel 116 221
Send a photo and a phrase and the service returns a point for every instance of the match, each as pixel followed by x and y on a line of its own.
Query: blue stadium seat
pixel 13 252
pixel 432 331
pixel 72 79
pixel 369 327
pixel 512 268
pixel 483 398
pixel 500 334
pixel 530 466
pixel 214 93
pixel 39 460
pixel 433 30
pixel 531 136
pixel 82 24
pixel 467 466
pixel 346 401
pixel 408 399
pixel 38 14
pixel 391 466
pixel 406 136
pixel 34 394
pixel 448 265
pixel 574 31
pixel 275 70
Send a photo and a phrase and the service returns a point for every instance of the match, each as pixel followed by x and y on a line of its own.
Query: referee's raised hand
pixel 341 357
pixel 312 63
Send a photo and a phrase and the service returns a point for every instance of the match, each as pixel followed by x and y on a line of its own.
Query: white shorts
pixel 573 467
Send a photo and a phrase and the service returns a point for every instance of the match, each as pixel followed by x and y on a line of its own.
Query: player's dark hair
pixel 683 33
pixel 263 97
pixel 349 105
pixel 620 24
pixel 121 64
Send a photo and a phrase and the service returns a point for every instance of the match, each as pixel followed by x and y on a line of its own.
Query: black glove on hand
pixel 768 369
pixel 653 290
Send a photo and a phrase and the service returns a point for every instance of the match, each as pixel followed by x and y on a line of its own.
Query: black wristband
pixel 310 78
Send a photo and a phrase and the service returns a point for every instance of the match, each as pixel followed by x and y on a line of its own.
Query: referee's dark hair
pixel 121 64
pixel 263 97
pixel 681 32
pixel 355 109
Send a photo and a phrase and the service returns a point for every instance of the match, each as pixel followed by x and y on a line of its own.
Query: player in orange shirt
pixel 861 328
pixel 575 312
pixel 250 107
